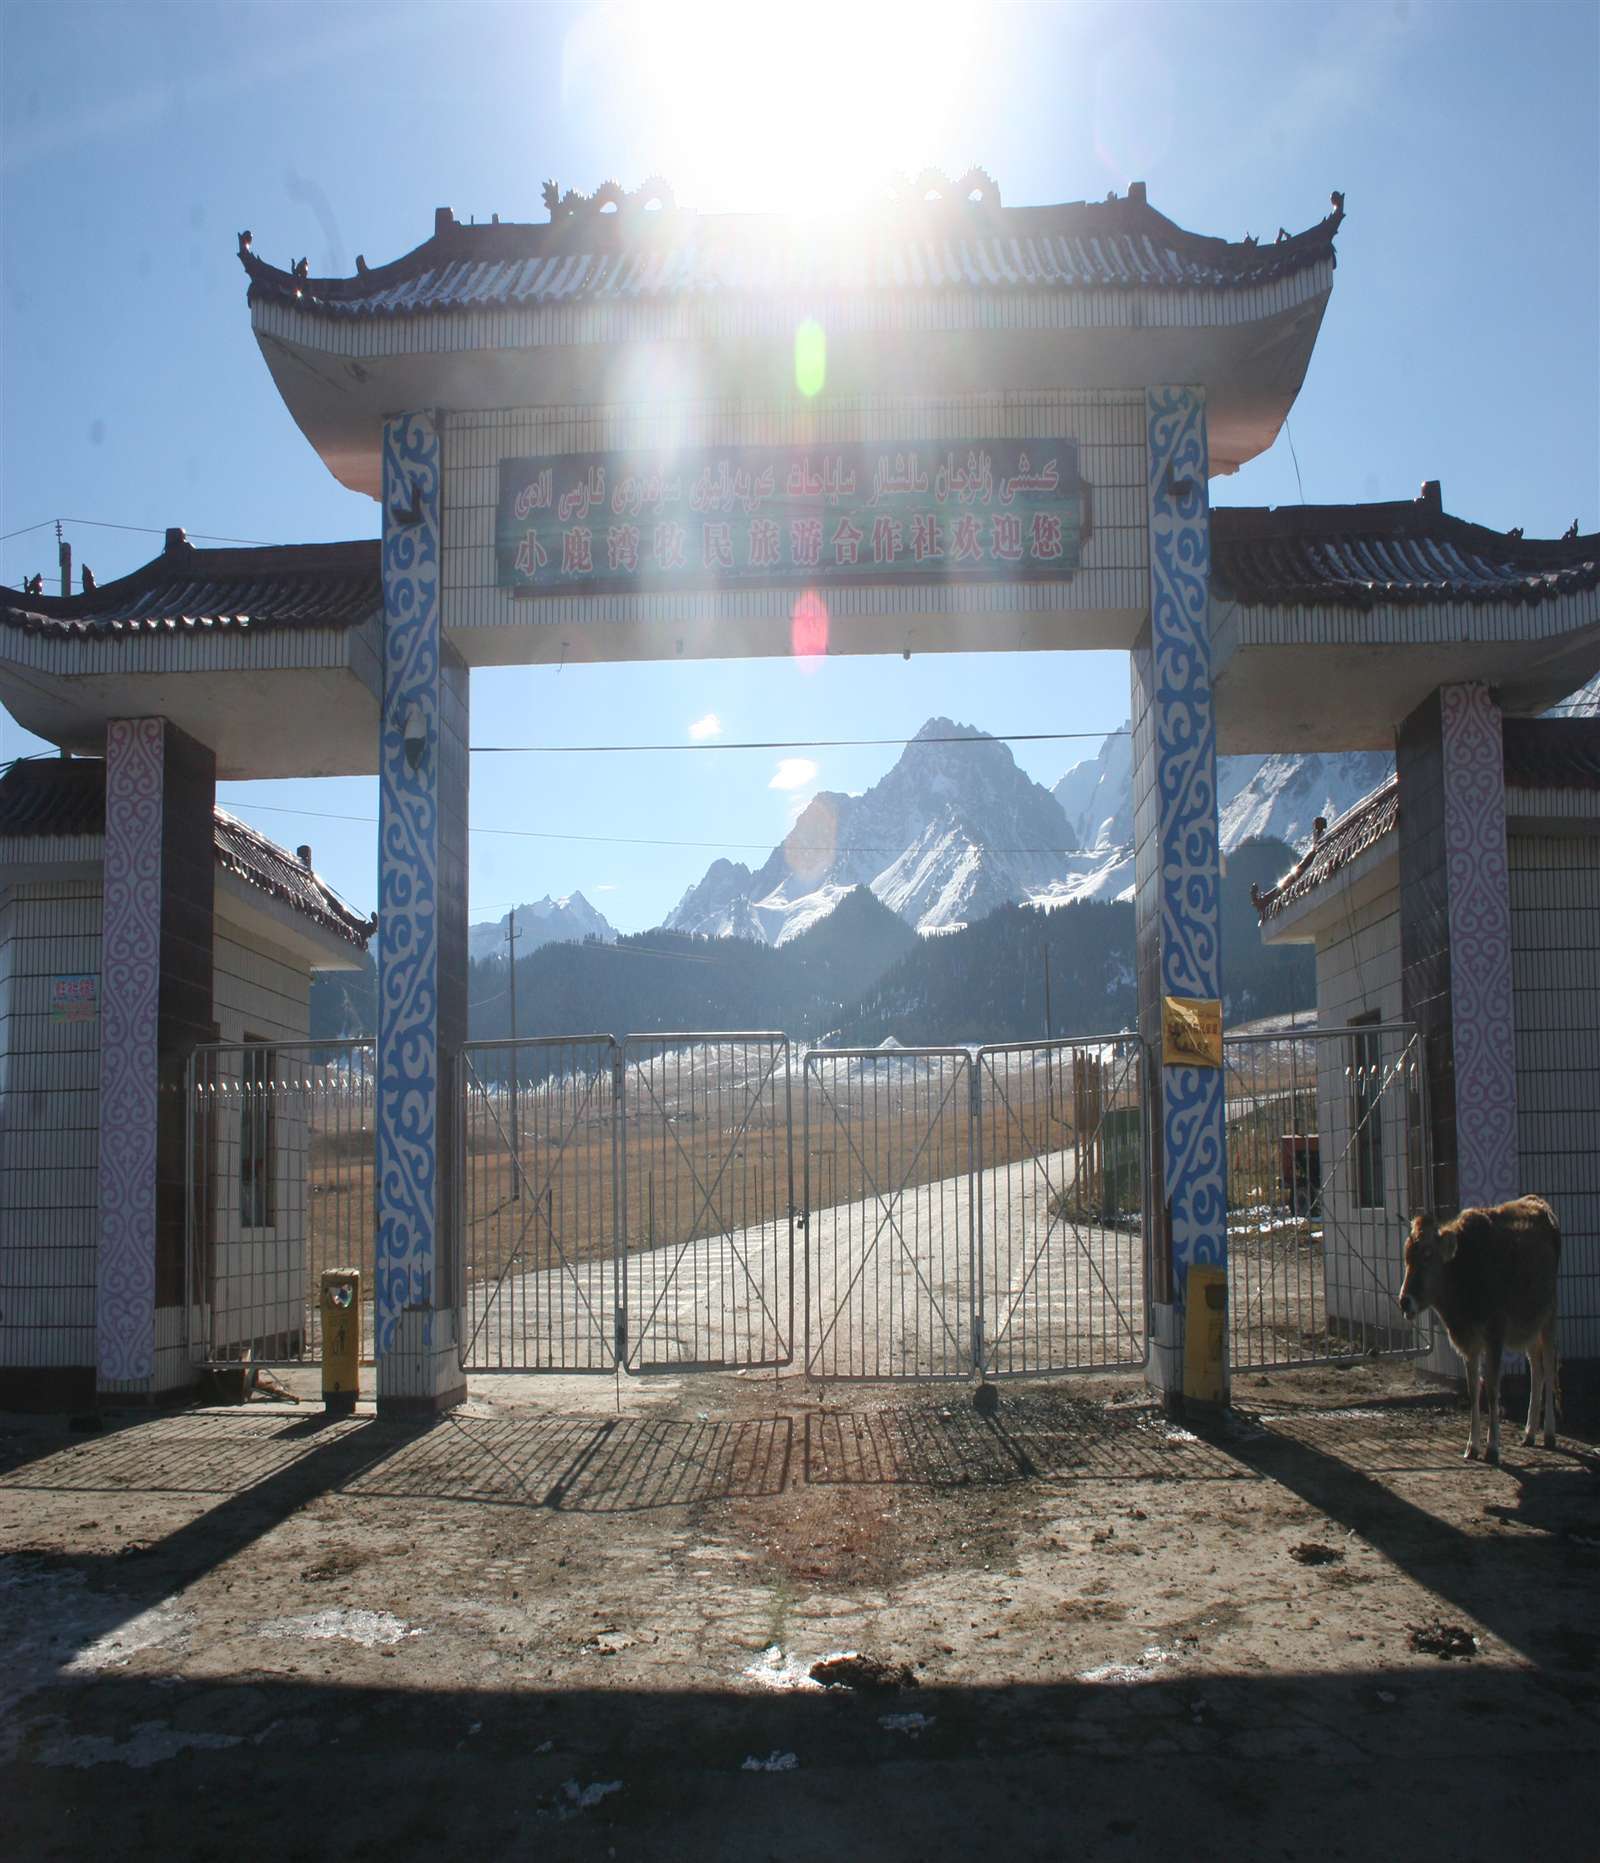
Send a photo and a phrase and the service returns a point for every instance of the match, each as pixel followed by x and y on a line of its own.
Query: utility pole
pixel 511 965
pixel 64 557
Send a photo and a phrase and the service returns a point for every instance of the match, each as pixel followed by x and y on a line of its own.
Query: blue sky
pixel 1462 341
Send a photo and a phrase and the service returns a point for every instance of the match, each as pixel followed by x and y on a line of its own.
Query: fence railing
pixel 632 1204
pixel 279 1189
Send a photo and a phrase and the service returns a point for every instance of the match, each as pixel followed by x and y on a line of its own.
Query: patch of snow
pixel 1126 1674
pixel 773 1669
pixel 575 1798
pixel 147 1743
pixel 371 1629
pixel 911 1723
pixel 162 1623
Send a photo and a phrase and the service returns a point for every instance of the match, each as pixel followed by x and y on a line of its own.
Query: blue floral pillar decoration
pixel 1177 868
pixel 421 838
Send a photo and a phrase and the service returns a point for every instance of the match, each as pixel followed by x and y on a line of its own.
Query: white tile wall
pixel 49 1127
pixel 1555 973
pixel 49 1114
pixel 1358 973
pixel 257 989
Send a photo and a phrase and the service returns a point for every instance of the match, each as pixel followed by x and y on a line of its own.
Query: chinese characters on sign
pixel 74 999
pixel 737 516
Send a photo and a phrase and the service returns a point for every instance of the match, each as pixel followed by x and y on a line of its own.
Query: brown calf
pixel 1490 1275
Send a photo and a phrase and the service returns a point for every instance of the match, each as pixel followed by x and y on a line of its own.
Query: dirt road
pixel 551 1627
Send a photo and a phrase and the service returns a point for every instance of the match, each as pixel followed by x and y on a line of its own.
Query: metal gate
pixel 1327 1155
pixel 890 1235
pixel 974 1212
pixel 628 1205
pixel 541 1290
pixel 706 1237
pixel 279 1188
pixel 1058 1163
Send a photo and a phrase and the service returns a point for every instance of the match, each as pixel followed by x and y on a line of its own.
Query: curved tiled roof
pixel 947 245
pixel 50 796
pixel 1539 753
pixel 308 585
pixel 1356 556
pixel 53 796
pixel 1359 828
pixel 249 855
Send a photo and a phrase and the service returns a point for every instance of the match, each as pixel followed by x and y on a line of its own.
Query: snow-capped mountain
pixel 1280 796
pixel 951 832
pixel 546 921
pixel 1096 795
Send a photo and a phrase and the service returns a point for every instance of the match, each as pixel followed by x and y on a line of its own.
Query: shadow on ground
pixel 1293 1765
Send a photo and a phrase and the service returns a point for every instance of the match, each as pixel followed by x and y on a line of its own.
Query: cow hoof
pixel 1529 1440
pixel 1549 1439
pixel 1470 1453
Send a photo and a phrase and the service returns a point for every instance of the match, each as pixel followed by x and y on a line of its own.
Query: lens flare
pixel 808 627
pixel 810 357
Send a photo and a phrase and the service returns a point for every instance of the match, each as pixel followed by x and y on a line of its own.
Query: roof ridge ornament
pixel 655 191
pixel 932 186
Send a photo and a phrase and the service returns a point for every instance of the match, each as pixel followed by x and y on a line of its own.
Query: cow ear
pixel 1447 1246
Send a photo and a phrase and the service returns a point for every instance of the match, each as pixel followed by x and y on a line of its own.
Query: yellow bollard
pixel 341 1340
pixel 1205 1338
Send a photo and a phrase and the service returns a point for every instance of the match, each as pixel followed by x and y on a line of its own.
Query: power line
pixel 150 530
pixel 812 743
pixel 627 840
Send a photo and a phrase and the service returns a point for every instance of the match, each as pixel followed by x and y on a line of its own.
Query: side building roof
pixel 1406 552
pixel 58 796
pixel 186 590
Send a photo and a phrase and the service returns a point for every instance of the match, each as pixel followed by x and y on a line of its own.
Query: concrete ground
pixel 578 1620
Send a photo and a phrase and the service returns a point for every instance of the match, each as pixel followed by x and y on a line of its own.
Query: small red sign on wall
pixel 74 999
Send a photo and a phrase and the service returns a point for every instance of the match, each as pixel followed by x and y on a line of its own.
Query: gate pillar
pixel 1455 951
pixel 155 965
pixel 1176 872
pixel 422 943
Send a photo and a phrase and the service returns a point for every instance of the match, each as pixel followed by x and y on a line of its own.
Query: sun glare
pixel 745 105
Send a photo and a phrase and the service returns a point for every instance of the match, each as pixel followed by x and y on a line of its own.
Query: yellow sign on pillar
pixel 1191 1031
pixel 341 1340
pixel 1205 1337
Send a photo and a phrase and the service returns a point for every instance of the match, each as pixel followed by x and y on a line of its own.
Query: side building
pixel 1359 895
pixel 270 921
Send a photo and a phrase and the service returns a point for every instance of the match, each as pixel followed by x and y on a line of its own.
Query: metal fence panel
pixel 1327 1156
pixel 540 1290
pixel 281 1139
pixel 890 1237
pixel 1058 1163
pixel 706 1229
